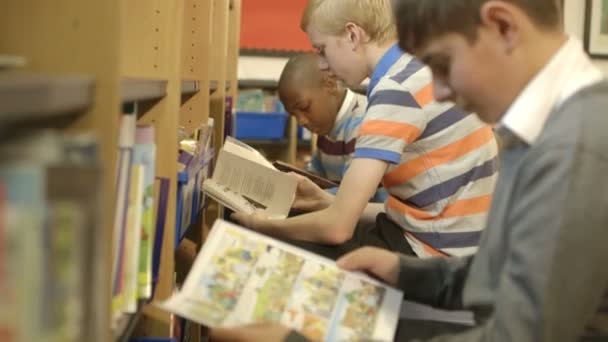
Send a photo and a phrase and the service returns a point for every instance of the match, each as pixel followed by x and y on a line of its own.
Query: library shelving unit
pixel 84 62
pixel 288 148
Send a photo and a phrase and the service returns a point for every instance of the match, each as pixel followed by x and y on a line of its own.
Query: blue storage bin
pixel 251 125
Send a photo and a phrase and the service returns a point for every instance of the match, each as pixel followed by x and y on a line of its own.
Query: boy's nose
pixel 323 65
pixel 302 121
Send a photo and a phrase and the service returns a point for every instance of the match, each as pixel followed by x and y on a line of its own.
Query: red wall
pixel 273 25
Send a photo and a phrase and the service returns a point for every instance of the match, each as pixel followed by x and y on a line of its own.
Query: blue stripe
pixel 386 62
pixel 346 126
pixel 450 187
pixel 449 240
pixel 412 67
pixel 443 121
pixel 393 97
pixel 334 169
pixel 353 125
pixel 317 166
pixel 332 191
pixel 373 153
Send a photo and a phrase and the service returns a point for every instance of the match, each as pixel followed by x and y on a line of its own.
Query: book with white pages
pixel 244 181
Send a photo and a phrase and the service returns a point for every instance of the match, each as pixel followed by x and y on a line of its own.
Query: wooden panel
pixel 195 61
pixel 164 115
pixel 196 39
pixel 218 66
pixel 74 36
pixel 148 37
pixel 292 136
pixel 234 34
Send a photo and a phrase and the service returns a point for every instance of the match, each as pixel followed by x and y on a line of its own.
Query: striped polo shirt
pixel 443 162
pixel 335 150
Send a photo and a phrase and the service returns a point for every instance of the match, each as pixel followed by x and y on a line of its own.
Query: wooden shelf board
pixel 252 83
pixel 139 89
pixel 28 97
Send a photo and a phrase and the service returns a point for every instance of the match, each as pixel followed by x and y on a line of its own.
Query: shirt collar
pixel 346 105
pixel 568 71
pixel 386 62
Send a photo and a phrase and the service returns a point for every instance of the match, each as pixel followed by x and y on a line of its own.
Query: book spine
pixel 145 154
pixel 125 145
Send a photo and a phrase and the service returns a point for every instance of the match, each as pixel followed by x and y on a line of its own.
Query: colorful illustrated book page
pixel 242 277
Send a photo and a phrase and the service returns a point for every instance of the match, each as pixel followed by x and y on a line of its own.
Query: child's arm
pixel 335 224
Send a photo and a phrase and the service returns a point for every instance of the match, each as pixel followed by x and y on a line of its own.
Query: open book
pixel 244 181
pixel 241 277
pixel 322 182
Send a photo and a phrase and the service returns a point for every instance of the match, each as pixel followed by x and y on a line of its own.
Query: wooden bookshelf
pixel 177 58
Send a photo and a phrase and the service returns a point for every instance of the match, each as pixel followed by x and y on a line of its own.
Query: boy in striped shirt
pixel 437 163
pixel 321 104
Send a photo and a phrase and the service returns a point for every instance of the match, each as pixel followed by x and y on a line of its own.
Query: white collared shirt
pixel 568 71
pixel 346 105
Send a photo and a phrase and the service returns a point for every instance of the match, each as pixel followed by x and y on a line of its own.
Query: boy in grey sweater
pixel 541 272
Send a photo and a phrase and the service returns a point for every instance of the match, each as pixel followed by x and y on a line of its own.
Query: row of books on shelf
pixel 141 208
pixel 51 225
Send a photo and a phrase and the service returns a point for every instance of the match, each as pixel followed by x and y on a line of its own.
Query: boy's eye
pixel 440 66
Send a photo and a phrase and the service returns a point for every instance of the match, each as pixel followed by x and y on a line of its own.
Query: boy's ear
pixel 504 21
pixel 354 35
pixel 330 83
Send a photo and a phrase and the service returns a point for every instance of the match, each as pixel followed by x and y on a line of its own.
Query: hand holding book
pixel 309 196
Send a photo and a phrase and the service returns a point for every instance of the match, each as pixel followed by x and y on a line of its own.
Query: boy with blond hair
pixel 437 163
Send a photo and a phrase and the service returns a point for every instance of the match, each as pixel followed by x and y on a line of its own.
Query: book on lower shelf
pixel 244 181
pixel 242 277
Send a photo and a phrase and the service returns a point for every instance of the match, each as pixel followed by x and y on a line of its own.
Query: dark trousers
pixel 383 234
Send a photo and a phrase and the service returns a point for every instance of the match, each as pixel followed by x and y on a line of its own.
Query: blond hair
pixel 375 17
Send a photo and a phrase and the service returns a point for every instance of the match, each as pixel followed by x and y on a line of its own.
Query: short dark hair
pixel 418 21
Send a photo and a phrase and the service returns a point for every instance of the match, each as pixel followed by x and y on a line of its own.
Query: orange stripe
pixel 430 250
pixel 469 206
pixel 443 155
pixel 424 96
pixel 403 131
